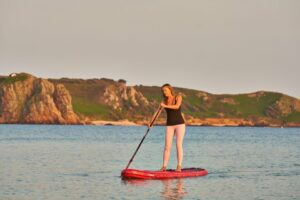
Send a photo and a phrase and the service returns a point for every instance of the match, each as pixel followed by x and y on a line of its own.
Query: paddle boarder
pixel 175 125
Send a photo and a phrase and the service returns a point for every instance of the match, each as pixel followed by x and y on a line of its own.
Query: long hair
pixel 170 88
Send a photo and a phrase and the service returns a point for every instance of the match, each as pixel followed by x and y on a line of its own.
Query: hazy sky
pixel 219 46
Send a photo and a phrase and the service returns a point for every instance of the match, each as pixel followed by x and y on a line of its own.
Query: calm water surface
pixel 84 162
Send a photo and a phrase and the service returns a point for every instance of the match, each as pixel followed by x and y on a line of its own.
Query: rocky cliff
pixel 31 100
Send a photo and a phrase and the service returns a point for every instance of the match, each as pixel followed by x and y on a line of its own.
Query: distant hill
pixel 110 100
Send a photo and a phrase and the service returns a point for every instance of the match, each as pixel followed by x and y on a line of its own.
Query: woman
pixel 175 125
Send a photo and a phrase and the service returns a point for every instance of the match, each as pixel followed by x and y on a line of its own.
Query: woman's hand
pixel 148 125
pixel 163 105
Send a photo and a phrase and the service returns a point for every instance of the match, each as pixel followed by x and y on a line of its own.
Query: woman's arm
pixel 176 106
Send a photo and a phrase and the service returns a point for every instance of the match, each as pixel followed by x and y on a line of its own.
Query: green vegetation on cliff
pixel 85 107
pixel 292 117
pixel 13 79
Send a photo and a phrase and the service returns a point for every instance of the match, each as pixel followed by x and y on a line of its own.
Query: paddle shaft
pixel 131 159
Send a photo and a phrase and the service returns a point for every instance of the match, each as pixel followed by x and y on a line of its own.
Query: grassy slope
pixel 293 117
pixel 85 96
pixel 247 106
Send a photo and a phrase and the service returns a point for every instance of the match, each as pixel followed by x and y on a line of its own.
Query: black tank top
pixel 174 116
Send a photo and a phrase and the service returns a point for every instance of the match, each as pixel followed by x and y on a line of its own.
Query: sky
pixel 217 46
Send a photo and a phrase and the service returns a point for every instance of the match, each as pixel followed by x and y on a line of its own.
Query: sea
pixel 84 162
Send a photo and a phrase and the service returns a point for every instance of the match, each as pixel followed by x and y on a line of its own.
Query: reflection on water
pixel 171 188
pixel 136 182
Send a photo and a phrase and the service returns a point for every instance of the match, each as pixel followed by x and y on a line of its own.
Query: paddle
pixel 156 115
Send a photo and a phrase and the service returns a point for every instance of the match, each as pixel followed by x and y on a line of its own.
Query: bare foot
pixel 163 168
pixel 178 169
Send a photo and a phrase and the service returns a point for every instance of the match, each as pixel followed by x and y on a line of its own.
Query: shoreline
pixel 199 123
pixel 112 123
pixel 203 124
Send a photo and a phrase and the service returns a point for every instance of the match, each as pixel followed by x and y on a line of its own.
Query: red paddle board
pixel 148 174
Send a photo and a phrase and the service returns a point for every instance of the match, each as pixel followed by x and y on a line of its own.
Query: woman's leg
pixel 168 144
pixel 179 131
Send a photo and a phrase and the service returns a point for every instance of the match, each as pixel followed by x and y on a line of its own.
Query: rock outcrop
pixel 31 100
pixel 120 96
pixel 283 107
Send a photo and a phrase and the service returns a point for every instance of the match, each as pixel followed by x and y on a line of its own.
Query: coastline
pixel 207 122
pixel 113 123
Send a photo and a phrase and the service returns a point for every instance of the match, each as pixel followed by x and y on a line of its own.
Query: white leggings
pixel 179 131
